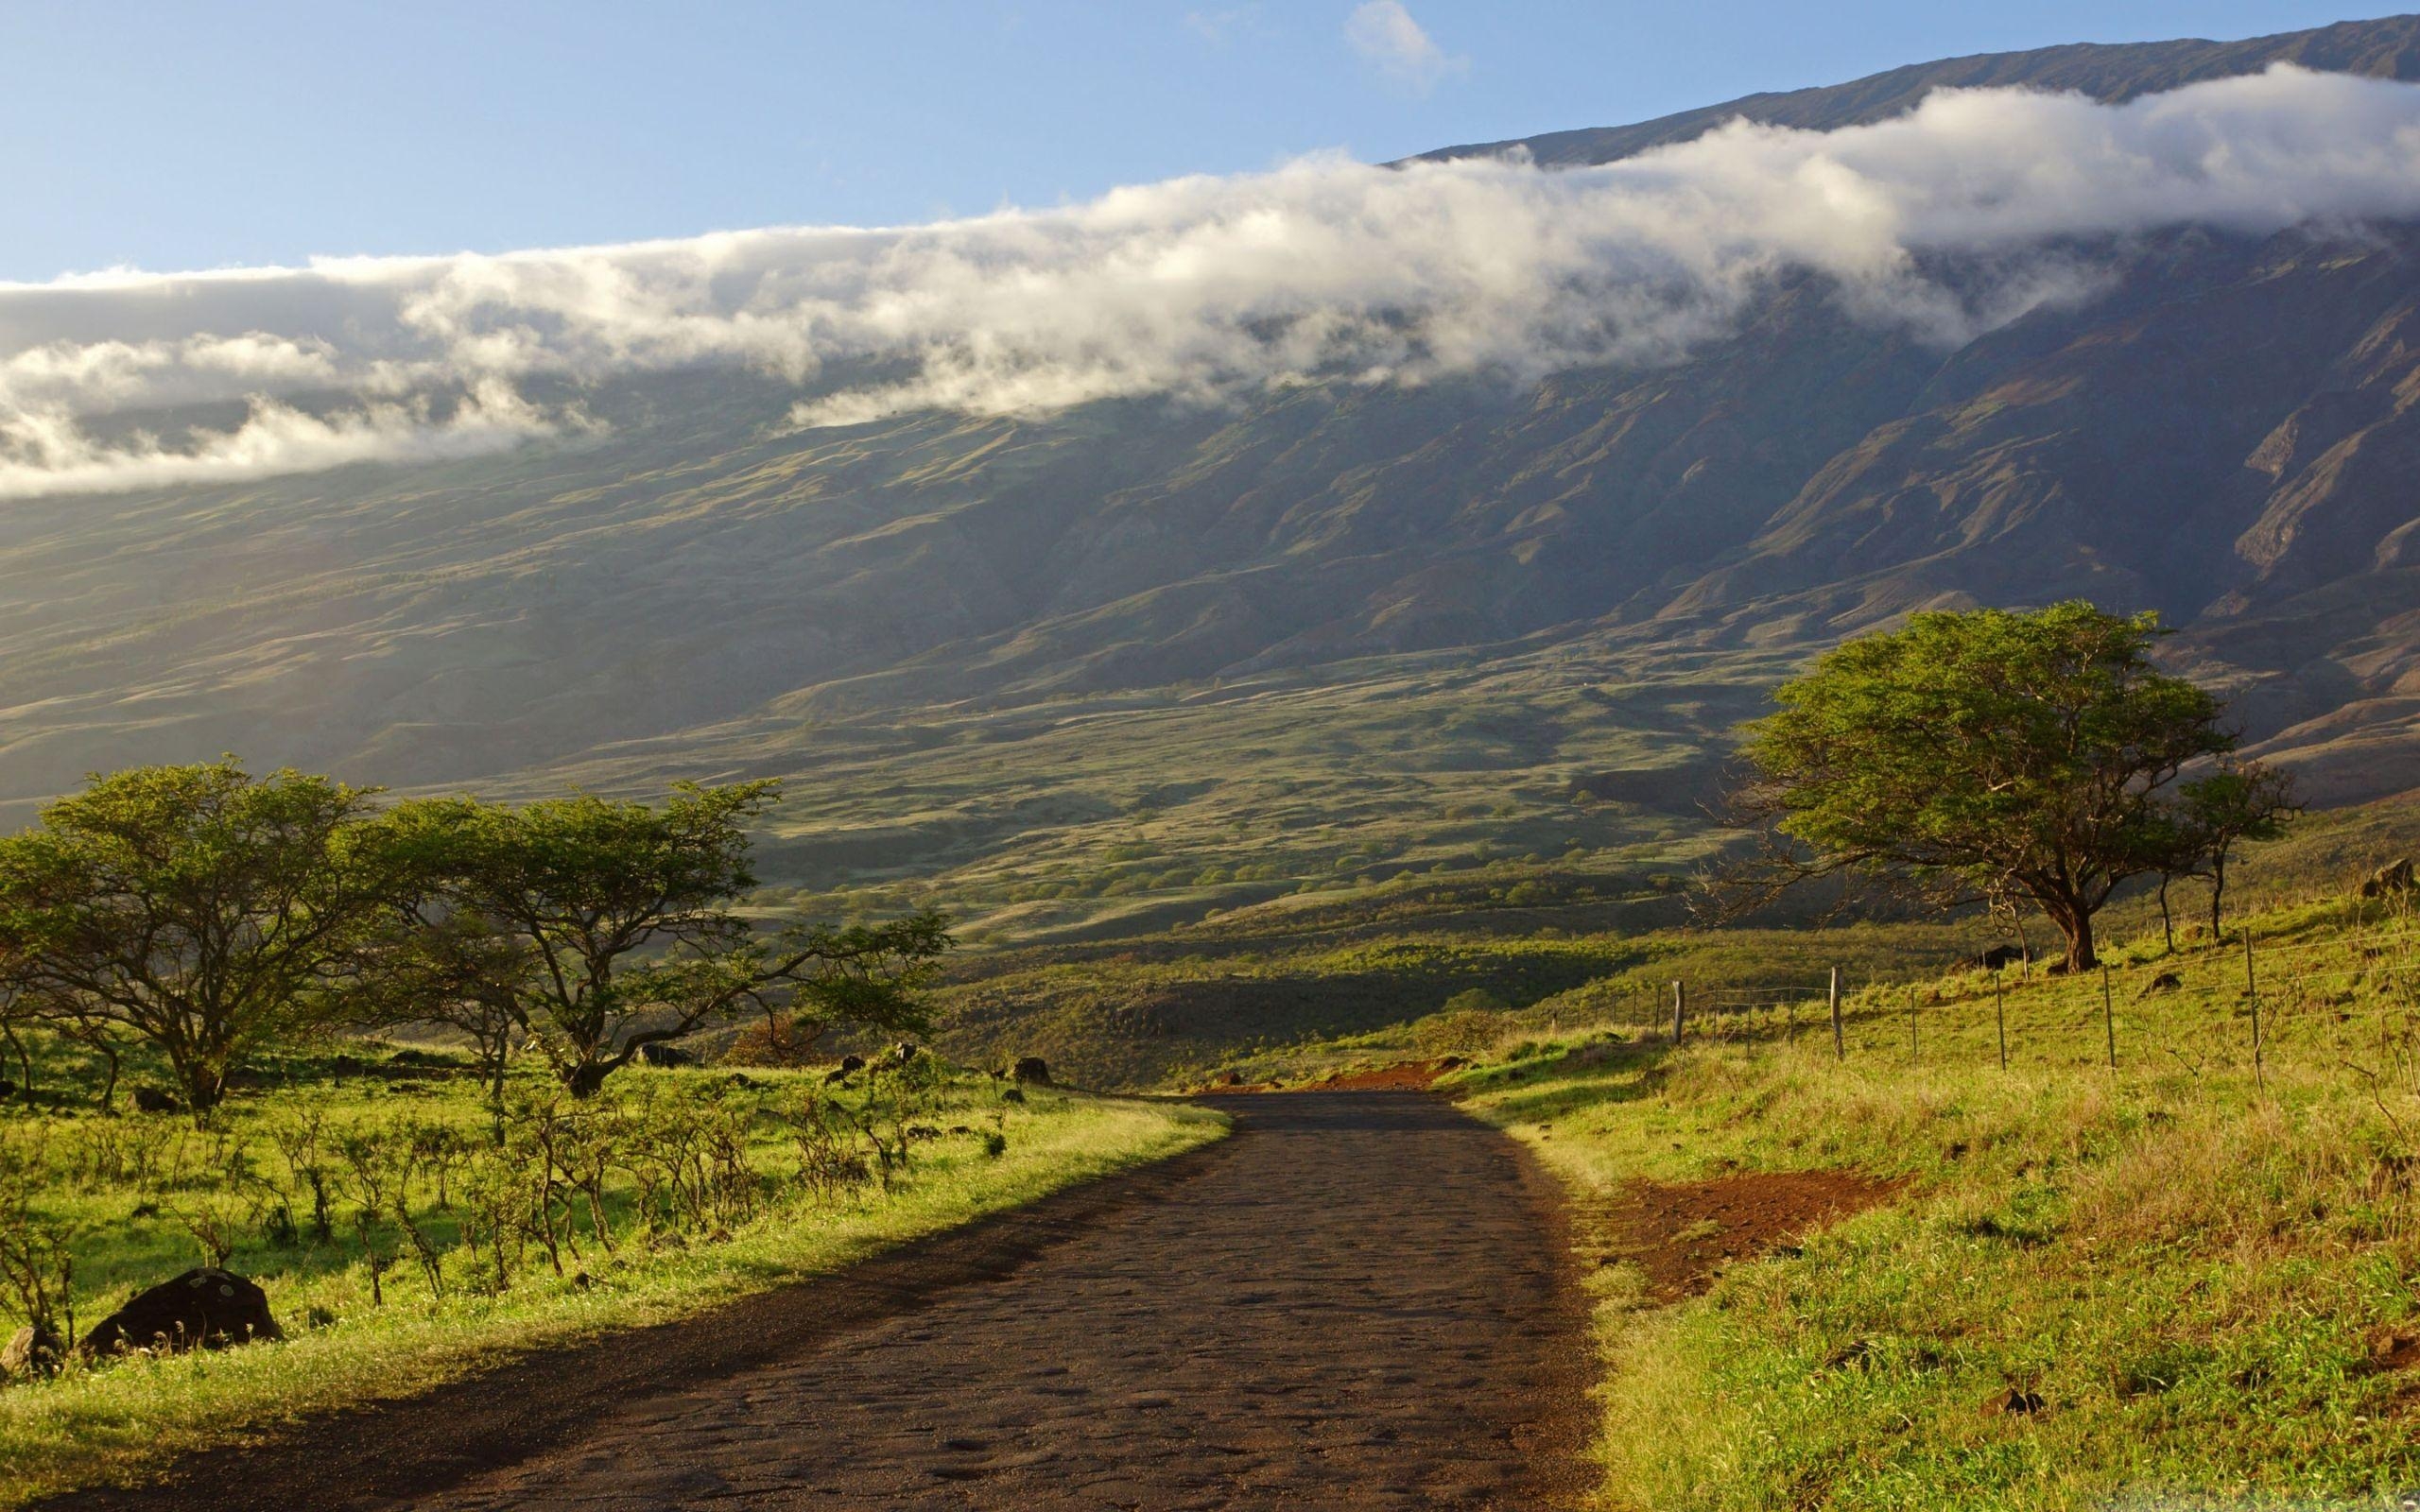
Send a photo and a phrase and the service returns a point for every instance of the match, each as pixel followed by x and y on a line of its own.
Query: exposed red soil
pixel 1410 1077
pixel 1682 1234
pixel 1406 1076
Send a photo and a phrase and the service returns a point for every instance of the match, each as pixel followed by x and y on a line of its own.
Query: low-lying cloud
pixel 1199 289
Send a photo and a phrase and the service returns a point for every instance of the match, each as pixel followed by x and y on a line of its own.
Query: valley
pixel 1129 852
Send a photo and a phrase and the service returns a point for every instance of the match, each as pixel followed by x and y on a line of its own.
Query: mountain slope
pixel 2387 49
pixel 1332 631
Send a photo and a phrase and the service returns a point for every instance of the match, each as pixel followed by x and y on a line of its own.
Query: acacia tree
pixel 1987 756
pixel 433 966
pixel 2241 801
pixel 597 927
pixel 198 908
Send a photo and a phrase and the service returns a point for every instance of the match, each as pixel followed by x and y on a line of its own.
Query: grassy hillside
pixel 1589 934
pixel 1138 663
pixel 2183 1281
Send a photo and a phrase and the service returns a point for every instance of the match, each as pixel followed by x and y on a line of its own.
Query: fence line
pixel 1676 1012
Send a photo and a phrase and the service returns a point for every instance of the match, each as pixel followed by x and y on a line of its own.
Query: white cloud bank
pixel 1201 288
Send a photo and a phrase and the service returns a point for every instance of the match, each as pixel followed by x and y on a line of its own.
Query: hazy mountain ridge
pixel 2384 48
pixel 2221 431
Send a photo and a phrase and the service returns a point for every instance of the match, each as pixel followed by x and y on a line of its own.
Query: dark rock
pixel 205 1307
pixel 1032 1069
pixel 663 1057
pixel 2395 877
pixel 152 1100
pixel 849 1066
pixel 35 1350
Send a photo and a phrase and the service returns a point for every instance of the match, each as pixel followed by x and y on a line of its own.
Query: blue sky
pixel 181 136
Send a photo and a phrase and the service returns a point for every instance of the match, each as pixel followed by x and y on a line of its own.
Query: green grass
pixel 2189 1259
pixel 128 1183
pixel 1597 938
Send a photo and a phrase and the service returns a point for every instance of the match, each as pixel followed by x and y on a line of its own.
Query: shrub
pixel 1470 1022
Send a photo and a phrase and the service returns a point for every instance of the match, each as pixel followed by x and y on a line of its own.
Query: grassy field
pixel 1395 786
pixel 1591 939
pixel 2200 1274
pixel 141 1197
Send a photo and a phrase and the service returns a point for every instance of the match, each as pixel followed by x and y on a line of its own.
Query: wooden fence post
pixel 2251 992
pixel 1839 1046
pixel 1680 1009
pixel 2109 1015
pixel 1911 1023
pixel 1999 1012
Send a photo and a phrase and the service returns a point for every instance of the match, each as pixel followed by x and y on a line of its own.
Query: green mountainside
pixel 1141 664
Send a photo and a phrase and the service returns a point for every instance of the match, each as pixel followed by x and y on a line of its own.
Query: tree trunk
pixel 2217 892
pixel 583 1078
pixel 2074 920
pixel 2080 955
pixel 494 1055
pixel 24 1063
pixel 199 1080
pixel 109 1056
pixel 2167 919
pixel 205 1089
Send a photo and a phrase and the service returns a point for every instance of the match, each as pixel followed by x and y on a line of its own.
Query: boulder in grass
pixel 1031 1069
pixel 33 1350
pixel 2017 1402
pixel 2393 878
pixel 204 1308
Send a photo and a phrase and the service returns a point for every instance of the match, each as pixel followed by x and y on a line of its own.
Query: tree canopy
pixel 198 907
pixel 597 927
pixel 1998 756
pixel 209 913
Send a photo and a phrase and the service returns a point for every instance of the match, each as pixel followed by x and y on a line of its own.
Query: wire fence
pixel 2347 1001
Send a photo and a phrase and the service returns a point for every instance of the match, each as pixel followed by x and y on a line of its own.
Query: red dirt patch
pixel 1408 1076
pixel 1681 1234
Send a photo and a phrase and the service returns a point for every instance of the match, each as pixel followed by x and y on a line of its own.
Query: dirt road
pixel 1358 1301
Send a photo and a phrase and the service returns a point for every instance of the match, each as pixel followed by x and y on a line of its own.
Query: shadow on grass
pixel 1589 1076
